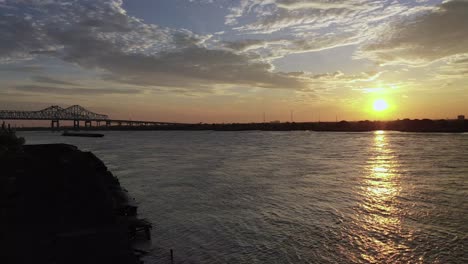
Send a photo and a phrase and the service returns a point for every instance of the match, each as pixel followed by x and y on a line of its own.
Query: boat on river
pixel 74 134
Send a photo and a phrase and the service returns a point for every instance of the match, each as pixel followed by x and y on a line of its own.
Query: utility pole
pixel 264 117
pixel 292 116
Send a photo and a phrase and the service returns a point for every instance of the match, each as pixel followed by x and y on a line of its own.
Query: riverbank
pixel 62 205
pixel 406 125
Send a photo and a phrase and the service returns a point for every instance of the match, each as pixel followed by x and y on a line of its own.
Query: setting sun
pixel 380 105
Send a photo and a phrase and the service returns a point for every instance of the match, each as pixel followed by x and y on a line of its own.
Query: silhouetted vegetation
pixel 8 140
pixel 405 125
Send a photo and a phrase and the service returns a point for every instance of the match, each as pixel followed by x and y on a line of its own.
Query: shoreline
pixel 248 130
pixel 406 125
pixel 63 205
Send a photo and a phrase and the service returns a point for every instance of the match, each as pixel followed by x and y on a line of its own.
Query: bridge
pixel 73 113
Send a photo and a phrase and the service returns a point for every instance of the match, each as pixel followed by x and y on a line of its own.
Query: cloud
pixel 330 82
pixel 38 89
pixel 18 37
pixel 195 66
pixel 100 35
pixel 339 76
pixel 46 79
pixel 320 5
pixel 275 15
pixel 461 61
pixel 456 67
pixel 298 26
pixel 277 48
pixel 247 44
pixel 21 68
pixel 424 39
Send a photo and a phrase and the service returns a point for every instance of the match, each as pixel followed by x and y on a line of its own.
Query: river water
pixel 293 197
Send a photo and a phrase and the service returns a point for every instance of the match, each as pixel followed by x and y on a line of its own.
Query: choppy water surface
pixel 294 197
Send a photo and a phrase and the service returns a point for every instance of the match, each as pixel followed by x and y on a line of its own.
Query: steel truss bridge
pixel 73 113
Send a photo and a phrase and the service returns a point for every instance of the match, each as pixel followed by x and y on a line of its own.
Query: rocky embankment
pixel 62 205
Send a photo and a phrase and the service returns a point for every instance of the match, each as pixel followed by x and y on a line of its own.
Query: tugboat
pixel 72 134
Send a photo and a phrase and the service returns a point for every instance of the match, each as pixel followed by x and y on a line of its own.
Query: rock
pixel 62 205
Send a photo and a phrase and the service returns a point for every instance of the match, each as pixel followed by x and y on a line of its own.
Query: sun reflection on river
pixel 379 208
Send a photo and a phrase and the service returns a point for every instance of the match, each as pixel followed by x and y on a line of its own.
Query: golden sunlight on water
pixel 380 218
pixel 293 197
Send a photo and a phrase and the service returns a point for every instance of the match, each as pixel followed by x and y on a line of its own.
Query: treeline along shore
pixel 61 205
pixel 405 125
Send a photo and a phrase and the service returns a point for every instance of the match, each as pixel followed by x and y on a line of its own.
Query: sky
pixel 237 60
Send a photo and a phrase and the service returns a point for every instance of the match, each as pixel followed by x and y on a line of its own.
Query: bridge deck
pixel 73 113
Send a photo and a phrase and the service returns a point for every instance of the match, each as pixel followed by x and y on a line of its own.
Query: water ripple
pixel 294 197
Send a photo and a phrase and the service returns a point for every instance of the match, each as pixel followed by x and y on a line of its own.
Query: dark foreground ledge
pixel 61 205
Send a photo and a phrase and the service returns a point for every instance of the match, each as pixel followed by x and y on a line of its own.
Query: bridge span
pixel 76 114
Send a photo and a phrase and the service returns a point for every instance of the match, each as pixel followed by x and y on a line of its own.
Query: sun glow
pixel 380 105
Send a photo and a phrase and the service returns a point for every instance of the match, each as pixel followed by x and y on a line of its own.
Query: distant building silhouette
pixel 461 117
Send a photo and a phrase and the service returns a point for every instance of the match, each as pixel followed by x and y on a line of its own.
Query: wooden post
pixel 172 256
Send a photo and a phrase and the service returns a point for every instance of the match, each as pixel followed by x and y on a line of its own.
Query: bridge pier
pixel 76 114
pixel 54 124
